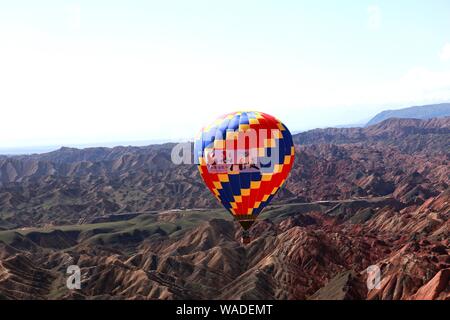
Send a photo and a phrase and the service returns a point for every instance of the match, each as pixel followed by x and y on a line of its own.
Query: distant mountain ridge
pixel 409 135
pixel 417 112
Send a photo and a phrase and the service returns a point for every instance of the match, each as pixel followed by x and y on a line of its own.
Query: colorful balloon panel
pixel 244 158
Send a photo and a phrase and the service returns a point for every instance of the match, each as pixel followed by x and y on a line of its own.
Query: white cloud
pixel 419 85
pixel 374 18
pixel 444 54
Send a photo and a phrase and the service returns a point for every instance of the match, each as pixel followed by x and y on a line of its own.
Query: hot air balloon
pixel 244 158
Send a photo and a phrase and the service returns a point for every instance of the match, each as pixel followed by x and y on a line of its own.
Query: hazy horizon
pixel 23 150
pixel 83 73
pixel 39 148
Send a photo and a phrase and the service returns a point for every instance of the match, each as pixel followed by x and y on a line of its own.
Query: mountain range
pixel 141 227
pixel 418 112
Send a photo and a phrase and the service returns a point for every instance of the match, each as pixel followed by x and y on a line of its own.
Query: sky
pixel 85 72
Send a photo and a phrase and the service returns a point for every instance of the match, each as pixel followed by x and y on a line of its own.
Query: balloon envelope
pixel 244 158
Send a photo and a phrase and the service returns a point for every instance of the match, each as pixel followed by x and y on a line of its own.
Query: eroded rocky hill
pixel 141 227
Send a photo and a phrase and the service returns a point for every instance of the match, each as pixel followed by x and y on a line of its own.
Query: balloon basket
pixel 246 237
